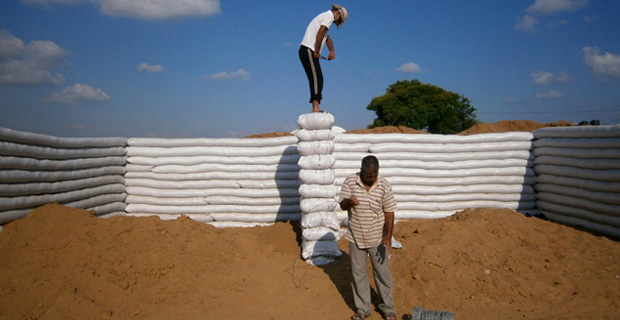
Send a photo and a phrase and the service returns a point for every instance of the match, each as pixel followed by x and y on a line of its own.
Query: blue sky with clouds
pixel 209 68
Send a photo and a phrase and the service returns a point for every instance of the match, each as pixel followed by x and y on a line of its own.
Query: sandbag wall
pixel 37 169
pixel 225 182
pixel 434 176
pixel 578 176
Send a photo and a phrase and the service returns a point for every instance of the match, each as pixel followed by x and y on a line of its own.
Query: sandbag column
pixel 318 193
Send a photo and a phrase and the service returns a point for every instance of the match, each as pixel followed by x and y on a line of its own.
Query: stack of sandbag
pixel 37 169
pixel 320 225
pixel 225 182
pixel 578 176
pixel 434 176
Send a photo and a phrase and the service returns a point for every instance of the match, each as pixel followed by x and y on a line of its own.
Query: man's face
pixel 369 176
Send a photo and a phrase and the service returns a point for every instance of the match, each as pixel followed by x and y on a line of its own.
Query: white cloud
pixel 543 7
pixel 409 67
pixel 31 64
pixel 229 75
pixel 147 9
pixel 149 68
pixel 79 93
pixel 551 94
pixel 527 23
pixel 543 78
pixel 607 64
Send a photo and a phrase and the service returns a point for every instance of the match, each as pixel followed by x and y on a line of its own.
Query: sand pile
pixel 485 127
pixel 62 263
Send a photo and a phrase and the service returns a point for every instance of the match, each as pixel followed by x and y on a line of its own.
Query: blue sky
pixel 207 68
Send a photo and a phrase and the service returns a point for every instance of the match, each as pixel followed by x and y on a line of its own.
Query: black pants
pixel 313 71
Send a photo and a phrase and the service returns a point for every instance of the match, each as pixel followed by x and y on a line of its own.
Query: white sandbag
pixel 12 215
pixel 238 224
pixel 595 207
pixel 585 224
pixel 190 184
pixel 579 192
pixel 466 181
pixel 610 175
pixel 192 201
pixel 216 175
pixel 319 233
pixel 316 121
pixel 267 217
pixel 504 197
pixel 211 142
pixel 225 168
pixel 482 188
pixel 35 188
pixel 324 177
pixel 209 209
pixel 578 142
pixel 240 201
pixel 596 164
pixel 14 176
pixel 108 208
pixel 97 200
pixel 319 248
pixel 578 132
pixel 7 203
pixel 186 193
pixel 195 160
pixel 34 164
pixel 317 161
pixel 361 148
pixel 311 205
pixel 318 190
pixel 40 152
pixel 438 165
pixel 306 148
pixel 40 139
pixel 451 157
pixel 604 186
pixel 318 135
pixel 320 219
pixel 461 205
pixel 210 151
pixel 457 173
pixel 320 260
pixel 138 168
pixel 589 153
pixel 449 148
pixel 420 214
pixel 433 138
pixel 196 217
pixel 578 213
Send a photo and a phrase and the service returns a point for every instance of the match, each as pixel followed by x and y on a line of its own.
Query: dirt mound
pixel 269 135
pixel 389 129
pixel 513 126
pixel 63 263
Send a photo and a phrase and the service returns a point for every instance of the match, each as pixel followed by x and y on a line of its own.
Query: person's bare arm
pixel 319 39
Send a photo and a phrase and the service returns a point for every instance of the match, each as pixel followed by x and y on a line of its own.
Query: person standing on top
pixel 315 38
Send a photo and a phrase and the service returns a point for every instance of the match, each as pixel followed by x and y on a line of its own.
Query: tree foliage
pixel 422 107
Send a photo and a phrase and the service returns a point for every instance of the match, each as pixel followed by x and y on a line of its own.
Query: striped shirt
pixel 367 219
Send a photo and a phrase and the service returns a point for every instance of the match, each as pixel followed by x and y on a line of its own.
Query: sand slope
pixel 63 263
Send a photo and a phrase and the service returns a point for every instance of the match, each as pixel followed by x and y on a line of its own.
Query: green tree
pixel 422 107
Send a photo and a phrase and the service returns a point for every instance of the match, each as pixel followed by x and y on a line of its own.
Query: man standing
pixel 371 205
pixel 314 40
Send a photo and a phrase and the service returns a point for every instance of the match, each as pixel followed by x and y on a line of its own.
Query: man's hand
pixel 354 201
pixel 332 55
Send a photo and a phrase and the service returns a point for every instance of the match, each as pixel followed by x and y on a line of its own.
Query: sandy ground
pixel 64 263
